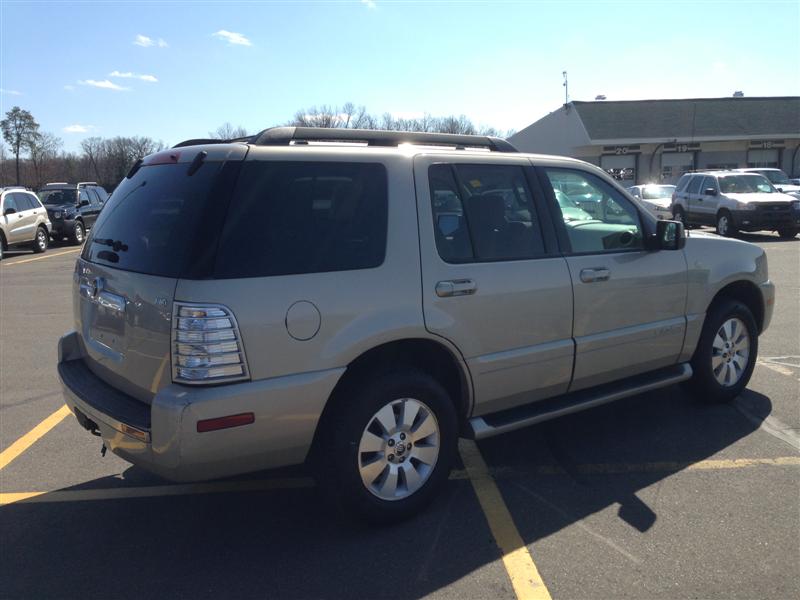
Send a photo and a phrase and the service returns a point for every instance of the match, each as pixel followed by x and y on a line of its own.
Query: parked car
pixel 361 306
pixel 72 208
pixel 734 201
pixel 24 221
pixel 656 198
pixel 778 178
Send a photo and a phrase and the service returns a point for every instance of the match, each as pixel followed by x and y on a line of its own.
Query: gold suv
pixel 24 220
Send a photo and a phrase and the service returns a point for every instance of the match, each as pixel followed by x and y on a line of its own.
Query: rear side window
pixel 708 182
pixel 304 217
pixel 694 185
pixel 163 221
pixel 483 213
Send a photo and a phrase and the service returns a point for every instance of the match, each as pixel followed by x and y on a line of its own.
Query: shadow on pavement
pixel 288 543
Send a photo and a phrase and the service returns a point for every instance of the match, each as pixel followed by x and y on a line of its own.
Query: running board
pixel 515 418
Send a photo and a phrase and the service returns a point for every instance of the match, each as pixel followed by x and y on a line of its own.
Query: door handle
pixel 592 275
pixel 455 287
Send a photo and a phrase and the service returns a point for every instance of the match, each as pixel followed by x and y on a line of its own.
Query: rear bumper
pixel 763 220
pixel 162 437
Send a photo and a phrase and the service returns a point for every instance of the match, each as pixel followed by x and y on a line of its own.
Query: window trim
pixel 548 236
pixel 561 228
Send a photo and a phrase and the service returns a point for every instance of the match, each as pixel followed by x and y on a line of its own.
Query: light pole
pixel 566 87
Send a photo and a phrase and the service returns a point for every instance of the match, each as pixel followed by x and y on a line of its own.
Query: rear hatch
pixel 160 224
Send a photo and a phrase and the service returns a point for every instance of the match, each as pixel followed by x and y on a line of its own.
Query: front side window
pixel 10 202
pixel 708 183
pixel 483 213
pixel 24 202
pixel 304 217
pixel 694 185
pixel 613 221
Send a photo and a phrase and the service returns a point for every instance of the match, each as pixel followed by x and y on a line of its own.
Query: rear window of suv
pixel 304 217
pixel 163 221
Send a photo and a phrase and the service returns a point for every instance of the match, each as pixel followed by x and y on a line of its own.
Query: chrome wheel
pixel 723 225
pixel 41 240
pixel 398 449
pixel 730 352
pixel 78 233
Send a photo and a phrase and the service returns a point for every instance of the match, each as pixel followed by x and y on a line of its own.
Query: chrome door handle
pixel 455 287
pixel 592 275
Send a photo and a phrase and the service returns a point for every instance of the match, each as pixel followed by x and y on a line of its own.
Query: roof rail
pixel 204 141
pixel 283 136
pixel 87 183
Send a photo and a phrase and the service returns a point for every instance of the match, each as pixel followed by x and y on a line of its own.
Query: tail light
pixel 206 345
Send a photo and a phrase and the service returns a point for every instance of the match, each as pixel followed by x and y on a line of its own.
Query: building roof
pixel 691 118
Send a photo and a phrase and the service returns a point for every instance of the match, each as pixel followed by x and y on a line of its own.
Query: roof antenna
pixel 566 88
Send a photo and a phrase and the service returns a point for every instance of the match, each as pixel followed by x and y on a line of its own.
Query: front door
pixel 629 302
pixel 493 282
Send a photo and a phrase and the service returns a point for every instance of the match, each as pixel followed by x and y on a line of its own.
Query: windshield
pixel 58 197
pixel 654 192
pixel 776 177
pixel 745 184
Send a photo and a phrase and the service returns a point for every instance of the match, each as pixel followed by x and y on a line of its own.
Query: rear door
pixel 629 302
pixel 492 280
pixel 159 227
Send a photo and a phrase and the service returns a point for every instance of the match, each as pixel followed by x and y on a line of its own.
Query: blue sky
pixel 256 63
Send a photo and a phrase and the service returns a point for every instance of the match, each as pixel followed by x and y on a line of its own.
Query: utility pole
pixel 566 88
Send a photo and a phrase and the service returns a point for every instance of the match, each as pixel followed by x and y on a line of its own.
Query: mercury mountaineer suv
pixel 360 299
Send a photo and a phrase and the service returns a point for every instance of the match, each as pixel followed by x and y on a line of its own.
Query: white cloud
pixel 162 44
pixel 10 92
pixel 77 128
pixel 104 84
pixel 369 3
pixel 143 41
pixel 233 38
pixel 69 88
pixel 129 75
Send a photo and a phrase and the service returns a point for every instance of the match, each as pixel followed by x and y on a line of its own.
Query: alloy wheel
pixel 730 352
pixel 398 449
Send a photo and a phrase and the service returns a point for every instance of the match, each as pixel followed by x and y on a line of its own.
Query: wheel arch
pixel 746 292
pixel 424 354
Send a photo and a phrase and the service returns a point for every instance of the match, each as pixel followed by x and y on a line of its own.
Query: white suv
pixel 23 220
pixel 735 201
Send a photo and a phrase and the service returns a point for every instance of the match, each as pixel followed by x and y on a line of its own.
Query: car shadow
pixel 290 543
pixel 756 238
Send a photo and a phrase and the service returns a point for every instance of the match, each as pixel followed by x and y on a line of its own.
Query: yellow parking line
pixel 522 571
pixel 154 491
pixel 27 260
pixel 27 440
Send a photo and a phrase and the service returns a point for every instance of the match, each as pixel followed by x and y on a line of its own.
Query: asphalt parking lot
pixel 655 496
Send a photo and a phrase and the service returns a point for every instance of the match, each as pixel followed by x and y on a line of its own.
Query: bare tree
pixel 18 127
pixel 94 150
pixel 226 131
pixel 43 149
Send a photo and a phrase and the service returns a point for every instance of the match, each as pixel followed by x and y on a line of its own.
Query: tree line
pixel 33 157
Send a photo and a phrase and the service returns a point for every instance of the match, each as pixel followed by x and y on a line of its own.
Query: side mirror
pixel 9 211
pixel 670 235
pixel 83 203
pixel 710 192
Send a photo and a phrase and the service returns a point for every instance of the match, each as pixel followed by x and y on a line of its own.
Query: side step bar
pixel 515 418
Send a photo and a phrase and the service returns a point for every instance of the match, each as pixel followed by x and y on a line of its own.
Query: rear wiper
pixel 116 245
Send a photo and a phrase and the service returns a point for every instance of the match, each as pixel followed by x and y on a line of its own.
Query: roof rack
pixel 284 136
pixel 80 183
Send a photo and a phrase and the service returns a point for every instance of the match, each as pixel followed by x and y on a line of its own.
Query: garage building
pixel 643 141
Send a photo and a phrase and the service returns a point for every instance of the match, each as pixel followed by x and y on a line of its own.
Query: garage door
pixel 620 167
pixel 675 164
pixel 762 158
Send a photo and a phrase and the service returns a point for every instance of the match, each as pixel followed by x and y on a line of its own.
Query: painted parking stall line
pixel 46 256
pixel 30 438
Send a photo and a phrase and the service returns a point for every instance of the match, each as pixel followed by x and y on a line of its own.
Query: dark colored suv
pixel 72 208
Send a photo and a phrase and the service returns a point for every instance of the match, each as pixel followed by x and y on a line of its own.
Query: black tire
pixel 724 224
pixel 78 233
pixel 337 456
pixel 679 215
pixel 41 241
pixel 787 233
pixel 704 384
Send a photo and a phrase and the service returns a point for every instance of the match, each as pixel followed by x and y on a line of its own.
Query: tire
pixel 78 233
pixel 41 241
pixel 1 249
pixel 713 362
pixel 679 215
pixel 787 233
pixel 362 447
pixel 724 225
